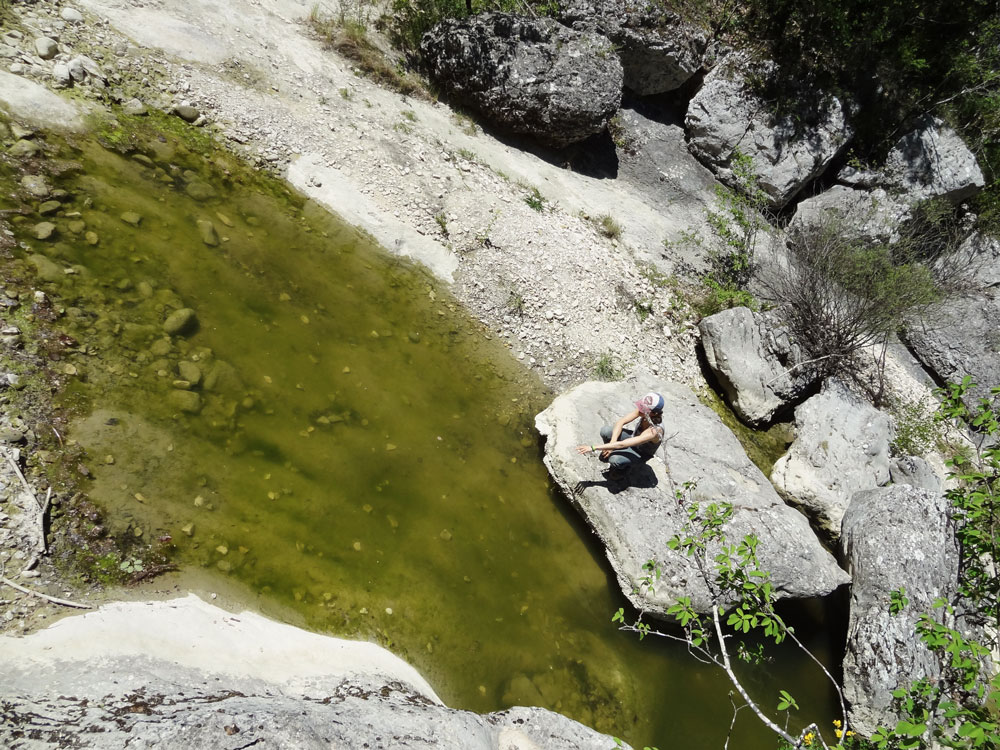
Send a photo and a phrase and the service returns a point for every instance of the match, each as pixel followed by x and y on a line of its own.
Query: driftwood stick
pixel 24 482
pixel 46 597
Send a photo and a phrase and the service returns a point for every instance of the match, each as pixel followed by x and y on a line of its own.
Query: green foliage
pixel 917 429
pixel 717 297
pixel 515 304
pixel 442 222
pixel 737 222
pixel 535 200
pixel 347 33
pixel 607 226
pixel 604 367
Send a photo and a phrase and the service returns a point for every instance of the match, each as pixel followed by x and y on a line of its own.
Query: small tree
pixel 841 295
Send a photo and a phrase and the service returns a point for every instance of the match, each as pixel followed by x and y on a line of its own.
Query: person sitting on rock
pixel 624 448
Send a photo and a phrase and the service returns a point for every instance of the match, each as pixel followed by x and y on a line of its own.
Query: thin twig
pixel 800 364
pixel 46 597
pixel 24 482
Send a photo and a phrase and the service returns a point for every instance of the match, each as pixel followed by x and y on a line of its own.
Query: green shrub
pixel 604 367
pixel 607 226
pixel 917 431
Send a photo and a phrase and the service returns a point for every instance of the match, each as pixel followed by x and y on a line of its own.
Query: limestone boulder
pixel 727 115
pixel 893 537
pixel 869 215
pixel 756 363
pixel 658 51
pixel 932 161
pixel 528 75
pixel 176 674
pixel 960 337
pixel 634 519
pixel 841 447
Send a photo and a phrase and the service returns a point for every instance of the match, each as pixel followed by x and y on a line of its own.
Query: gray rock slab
pixel 960 337
pixel 932 161
pixel 177 674
pixel 46 48
pixel 528 75
pixel 915 472
pixel 726 116
pixel 841 447
pixel 755 362
pixel 35 104
pixel 871 215
pixel 634 521
pixel 893 537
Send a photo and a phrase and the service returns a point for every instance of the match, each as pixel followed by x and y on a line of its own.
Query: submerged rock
pixel 181 322
pixel 529 75
pixel 208 234
pixel 841 447
pixel 635 520
pixel 893 537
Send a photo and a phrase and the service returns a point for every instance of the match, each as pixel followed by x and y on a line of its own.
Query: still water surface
pixel 358 449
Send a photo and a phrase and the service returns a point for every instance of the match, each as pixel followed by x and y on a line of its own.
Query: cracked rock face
pixel 635 519
pixel 755 363
pixel 727 115
pixel 882 650
pixel 529 75
pixel 841 447
pixel 179 674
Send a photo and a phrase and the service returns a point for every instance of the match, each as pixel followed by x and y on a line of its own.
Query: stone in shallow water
pixel 44 230
pixel 36 185
pixel 132 218
pixel 24 148
pixel 199 191
pixel 190 372
pixel 208 234
pixel 188 402
pixel 181 321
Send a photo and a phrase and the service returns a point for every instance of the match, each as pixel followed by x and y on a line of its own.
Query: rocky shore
pixel 583 271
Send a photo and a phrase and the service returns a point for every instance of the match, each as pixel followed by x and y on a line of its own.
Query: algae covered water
pixel 313 418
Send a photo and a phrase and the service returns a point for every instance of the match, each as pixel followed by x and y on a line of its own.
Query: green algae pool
pixel 332 432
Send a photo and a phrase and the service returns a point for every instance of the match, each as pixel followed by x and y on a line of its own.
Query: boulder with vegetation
pixel 893 537
pixel 635 518
pixel 929 162
pixel 658 51
pixel 760 369
pixel 729 115
pixel 841 447
pixel 527 75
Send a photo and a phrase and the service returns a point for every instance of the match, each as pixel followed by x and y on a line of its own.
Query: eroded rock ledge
pixel 183 673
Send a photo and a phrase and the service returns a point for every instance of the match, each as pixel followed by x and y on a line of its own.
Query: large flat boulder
pixel 33 103
pixel 893 537
pixel 658 51
pixel 727 115
pixel 932 161
pixel 841 447
pixel 960 337
pixel 634 520
pixel 528 75
pixel 759 368
pixel 184 673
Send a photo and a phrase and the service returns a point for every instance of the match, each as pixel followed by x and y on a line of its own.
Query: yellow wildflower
pixel 808 739
pixel 839 733
pixel 836 723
